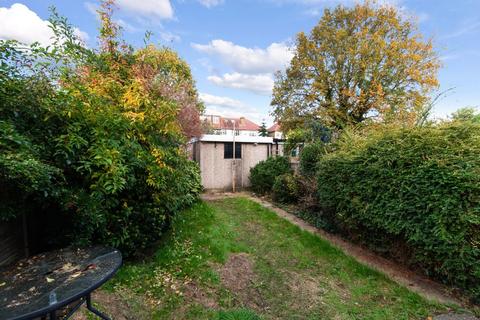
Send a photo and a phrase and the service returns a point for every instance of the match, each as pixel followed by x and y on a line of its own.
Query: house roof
pixel 241 138
pixel 274 128
pixel 241 123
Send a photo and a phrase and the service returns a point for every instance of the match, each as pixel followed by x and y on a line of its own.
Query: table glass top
pixel 48 281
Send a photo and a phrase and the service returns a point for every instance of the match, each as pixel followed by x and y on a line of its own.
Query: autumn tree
pixel 358 63
pixel 159 72
pixel 164 73
pixel 262 131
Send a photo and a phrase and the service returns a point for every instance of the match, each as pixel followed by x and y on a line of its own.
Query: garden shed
pixel 222 168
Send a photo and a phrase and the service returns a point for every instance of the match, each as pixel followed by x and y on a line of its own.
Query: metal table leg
pixel 93 310
pixel 74 309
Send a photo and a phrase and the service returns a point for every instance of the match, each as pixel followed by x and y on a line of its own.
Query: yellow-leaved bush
pixel 104 141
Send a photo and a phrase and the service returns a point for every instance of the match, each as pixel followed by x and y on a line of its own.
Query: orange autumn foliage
pixel 365 63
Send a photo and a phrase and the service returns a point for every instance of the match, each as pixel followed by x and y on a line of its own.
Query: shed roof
pixel 240 139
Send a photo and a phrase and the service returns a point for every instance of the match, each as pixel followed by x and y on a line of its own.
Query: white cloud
pixel 228 107
pixel 249 60
pixel 470 27
pixel 210 3
pixel 447 57
pixel 128 27
pixel 91 7
pixel 422 17
pixel 170 37
pixel 204 62
pixel 314 12
pixel 211 100
pixel 257 83
pixel 22 24
pixel 161 9
pixel 253 68
pixel 460 54
pixel 81 34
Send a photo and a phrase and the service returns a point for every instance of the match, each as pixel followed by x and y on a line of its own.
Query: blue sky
pixel 234 46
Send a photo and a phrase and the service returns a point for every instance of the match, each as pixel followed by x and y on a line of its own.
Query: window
pixel 228 150
pixel 220 132
pixel 294 152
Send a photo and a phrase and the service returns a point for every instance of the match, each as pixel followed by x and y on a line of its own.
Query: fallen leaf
pixel 68 267
pixel 50 280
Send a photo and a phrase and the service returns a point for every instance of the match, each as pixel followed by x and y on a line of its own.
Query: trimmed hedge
pixel 419 186
pixel 262 176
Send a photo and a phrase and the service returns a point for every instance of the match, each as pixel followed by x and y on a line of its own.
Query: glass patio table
pixel 55 284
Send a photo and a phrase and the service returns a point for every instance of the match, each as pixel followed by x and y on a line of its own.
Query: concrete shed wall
pixel 251 155
pixel 216 172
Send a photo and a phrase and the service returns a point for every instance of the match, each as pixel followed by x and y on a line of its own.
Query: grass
pixel 234 259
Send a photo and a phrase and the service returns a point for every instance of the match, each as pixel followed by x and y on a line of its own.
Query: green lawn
pixel 234 259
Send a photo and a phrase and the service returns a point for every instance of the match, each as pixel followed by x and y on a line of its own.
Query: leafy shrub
pixel 262 176
pixel 91 136
pixel 419 185
pixel 309 157
pixel 23 174
pixel 307 192
pixel 285 189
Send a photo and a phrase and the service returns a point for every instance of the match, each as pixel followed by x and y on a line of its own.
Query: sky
pixel 235 46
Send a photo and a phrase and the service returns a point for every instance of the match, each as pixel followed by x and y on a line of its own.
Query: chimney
pixel 242 121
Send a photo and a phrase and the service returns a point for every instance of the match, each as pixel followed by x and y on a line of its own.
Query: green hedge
pixel 262 176
pixel 286 188
pixel 309 157
pixel 420 186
